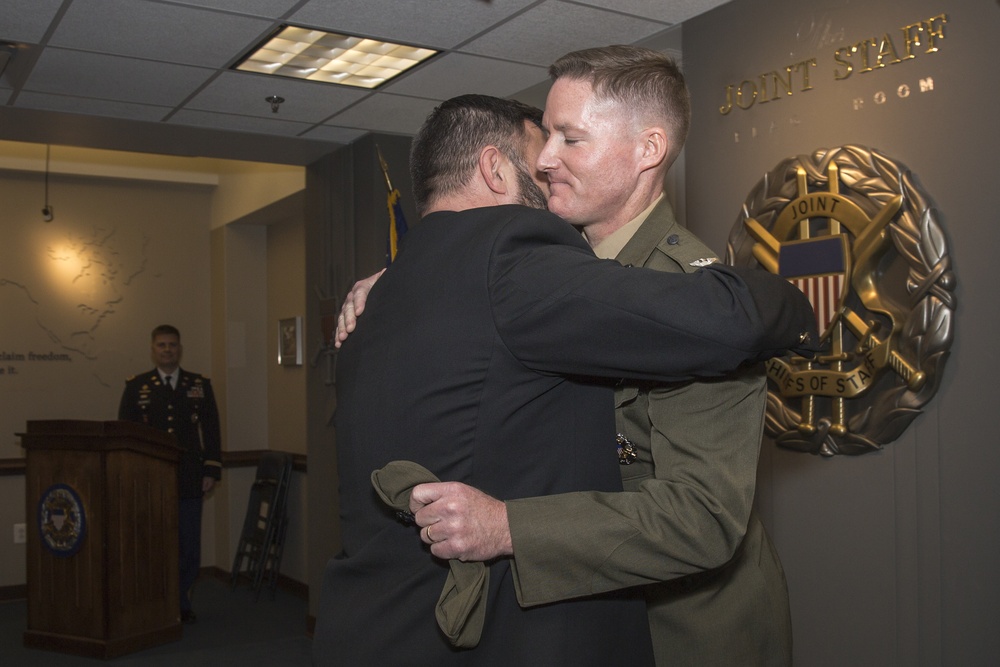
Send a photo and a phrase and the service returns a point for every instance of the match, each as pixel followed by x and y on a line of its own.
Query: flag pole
pixel 397 222
pixel 385 168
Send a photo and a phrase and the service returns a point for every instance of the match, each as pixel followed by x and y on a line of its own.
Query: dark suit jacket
pixel 474 359
pixel 189 412
pixel 694 478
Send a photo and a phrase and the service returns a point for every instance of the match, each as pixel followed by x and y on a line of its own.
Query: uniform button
pixel 170 430
pixel 170 418
pixel 673 239
pixel 170 407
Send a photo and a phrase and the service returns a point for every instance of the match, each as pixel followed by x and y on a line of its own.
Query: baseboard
pixel 19 592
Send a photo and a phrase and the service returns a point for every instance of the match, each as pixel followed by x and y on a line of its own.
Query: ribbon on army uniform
pixel 461 607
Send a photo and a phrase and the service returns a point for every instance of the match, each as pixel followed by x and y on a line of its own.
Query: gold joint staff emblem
pixel 853 231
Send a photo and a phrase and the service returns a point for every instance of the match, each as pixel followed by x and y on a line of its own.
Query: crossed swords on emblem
pixel 867 249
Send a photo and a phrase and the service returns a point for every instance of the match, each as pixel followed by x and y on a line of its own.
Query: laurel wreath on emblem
pixel 889 328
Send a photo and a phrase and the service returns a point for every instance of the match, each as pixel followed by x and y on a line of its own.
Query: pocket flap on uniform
pixel 625 395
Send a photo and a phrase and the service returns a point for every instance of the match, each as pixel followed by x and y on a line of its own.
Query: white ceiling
pixel 153 75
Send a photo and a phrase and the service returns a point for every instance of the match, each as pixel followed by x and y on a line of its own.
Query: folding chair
pixel 264 526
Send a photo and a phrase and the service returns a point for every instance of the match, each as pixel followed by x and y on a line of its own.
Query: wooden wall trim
pixel 241 459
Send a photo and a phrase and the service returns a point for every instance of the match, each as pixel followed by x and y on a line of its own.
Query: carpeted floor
pixel 232 629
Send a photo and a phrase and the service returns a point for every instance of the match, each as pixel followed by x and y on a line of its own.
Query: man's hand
pixel 207 484
pixel 461 522
pixel 354 305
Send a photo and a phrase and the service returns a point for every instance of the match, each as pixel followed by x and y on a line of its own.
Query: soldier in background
pixel 177 401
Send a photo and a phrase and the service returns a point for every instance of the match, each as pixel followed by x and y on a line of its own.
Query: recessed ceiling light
pixel 315 55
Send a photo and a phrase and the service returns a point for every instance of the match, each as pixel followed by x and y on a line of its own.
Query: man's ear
pixel 492 169
pixel 655 145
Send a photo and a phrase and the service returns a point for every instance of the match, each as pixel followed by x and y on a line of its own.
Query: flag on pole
pixel 397 221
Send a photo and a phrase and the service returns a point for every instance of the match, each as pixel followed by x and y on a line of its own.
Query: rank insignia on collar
pixel 704 261
pixel 626 450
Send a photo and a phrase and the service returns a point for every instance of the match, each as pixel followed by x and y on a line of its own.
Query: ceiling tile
pixel 337 135
pixel 552 29
pixel 236 123
pixel 102 65
pixel 267 8
pixel 674 11
pixel 114 77
pixel 158 32
pixel 431 23
pixel 26 20
pixel 456 74
pixel 91 107
pixel 245 93
pixel 383 112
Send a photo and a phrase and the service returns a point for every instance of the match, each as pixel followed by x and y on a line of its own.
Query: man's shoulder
pixel 667 239
pixel 664 244
pixel 141 378
pixel 686 249
pixel 194 377
pixel 486 225
pixel 532 225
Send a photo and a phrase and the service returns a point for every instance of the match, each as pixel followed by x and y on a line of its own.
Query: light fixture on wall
pixel 47 213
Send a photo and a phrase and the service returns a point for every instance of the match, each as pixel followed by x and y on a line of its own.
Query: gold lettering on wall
pixel 771 86
pixel 865 56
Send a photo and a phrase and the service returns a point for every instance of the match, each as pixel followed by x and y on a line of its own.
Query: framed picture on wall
pixel 290 341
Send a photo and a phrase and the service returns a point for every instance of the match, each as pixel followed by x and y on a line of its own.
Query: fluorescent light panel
pixel 329 57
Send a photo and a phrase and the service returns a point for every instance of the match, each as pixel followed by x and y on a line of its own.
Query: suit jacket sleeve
pixel 560 310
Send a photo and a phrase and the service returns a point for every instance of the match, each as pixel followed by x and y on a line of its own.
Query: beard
pixel 529 194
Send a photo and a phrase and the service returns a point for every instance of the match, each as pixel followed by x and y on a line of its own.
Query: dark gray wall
pixel 346 225
pixel 891 556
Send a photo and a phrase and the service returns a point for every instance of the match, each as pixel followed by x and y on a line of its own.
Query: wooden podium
pixel 102 537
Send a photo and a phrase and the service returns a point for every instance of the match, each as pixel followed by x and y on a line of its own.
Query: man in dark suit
pixel 477 359
pixel 177 401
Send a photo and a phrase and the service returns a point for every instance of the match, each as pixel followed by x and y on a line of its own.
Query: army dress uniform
pixel 190 413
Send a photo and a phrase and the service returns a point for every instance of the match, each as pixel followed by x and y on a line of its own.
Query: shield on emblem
pixel 819 267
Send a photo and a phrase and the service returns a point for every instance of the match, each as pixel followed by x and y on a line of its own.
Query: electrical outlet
pixel 20 533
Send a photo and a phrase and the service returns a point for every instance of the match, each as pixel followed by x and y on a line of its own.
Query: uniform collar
pixel 658 225
pixel 613 244
pixel 175 376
